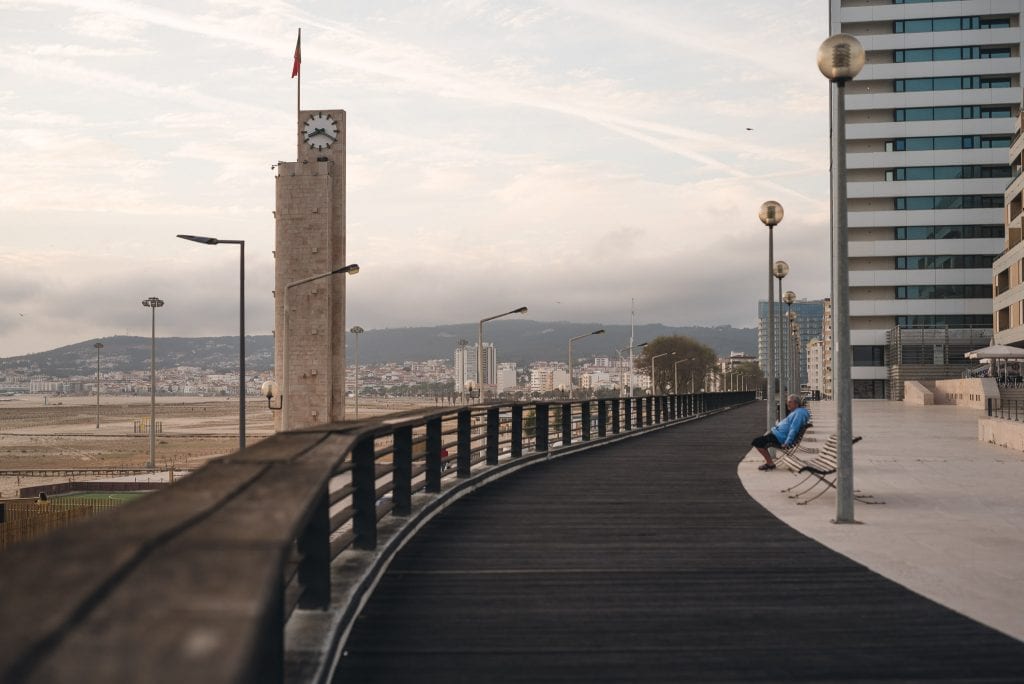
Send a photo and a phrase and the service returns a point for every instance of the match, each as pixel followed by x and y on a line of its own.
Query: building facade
pixel 1008 269
pixel 809 317
pixel 466 368
pixel 928 123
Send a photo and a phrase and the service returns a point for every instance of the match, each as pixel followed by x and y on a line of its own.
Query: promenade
pixel 647 560
pixel 952 526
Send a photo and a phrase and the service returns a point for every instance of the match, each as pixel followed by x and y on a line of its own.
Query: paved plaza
pixel 952 526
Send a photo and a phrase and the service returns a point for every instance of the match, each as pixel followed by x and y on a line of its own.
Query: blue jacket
pixel 788 428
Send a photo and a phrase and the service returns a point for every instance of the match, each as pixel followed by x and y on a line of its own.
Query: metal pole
pixel 152 392
pixel 770 333
pixel 570 370
pixel 241 345
pixel 98 345
pixel 357 375
pixel 782 359
pixel 842 354
pixel 480 360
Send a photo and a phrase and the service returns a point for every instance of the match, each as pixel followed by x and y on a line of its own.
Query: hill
pixel 521 341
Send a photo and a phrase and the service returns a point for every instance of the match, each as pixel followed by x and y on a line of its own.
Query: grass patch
pixel 100 496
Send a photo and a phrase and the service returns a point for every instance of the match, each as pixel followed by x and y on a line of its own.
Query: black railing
pixel 1007 409
pixel 207 580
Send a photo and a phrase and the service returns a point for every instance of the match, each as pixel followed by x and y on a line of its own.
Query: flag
pixel 298 55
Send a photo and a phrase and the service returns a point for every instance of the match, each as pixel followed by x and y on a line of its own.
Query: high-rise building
pixel 1008 269
pixel 928 121
pixel 809 314
pixel 466 368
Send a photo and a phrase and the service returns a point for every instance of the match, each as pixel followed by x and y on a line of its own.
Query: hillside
pixel 517 340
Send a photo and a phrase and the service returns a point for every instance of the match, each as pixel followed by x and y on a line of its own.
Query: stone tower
pixel 309 347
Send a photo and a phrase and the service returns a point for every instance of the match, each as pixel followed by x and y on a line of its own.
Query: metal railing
pixel 1007 409
pixel 207 580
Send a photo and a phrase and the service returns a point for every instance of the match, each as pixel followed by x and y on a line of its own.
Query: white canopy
pixel 996 351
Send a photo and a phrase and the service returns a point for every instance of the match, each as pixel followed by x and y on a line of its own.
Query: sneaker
pixel 766 466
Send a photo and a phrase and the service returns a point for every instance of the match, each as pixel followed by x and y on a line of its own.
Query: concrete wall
pixel 916 393
pixel 968 392
pixel 1004 433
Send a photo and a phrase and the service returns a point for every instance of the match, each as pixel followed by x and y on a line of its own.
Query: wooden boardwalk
pixel 646 561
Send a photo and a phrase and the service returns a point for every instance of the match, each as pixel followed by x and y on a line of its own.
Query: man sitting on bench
pixel 784 434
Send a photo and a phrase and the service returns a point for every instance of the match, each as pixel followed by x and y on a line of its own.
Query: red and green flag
pixel 298 55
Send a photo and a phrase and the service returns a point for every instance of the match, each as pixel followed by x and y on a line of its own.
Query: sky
pixel 594 160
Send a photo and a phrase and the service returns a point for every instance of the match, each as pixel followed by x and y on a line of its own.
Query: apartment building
pixel 809 316
pixel 1008 269
pixel 929 120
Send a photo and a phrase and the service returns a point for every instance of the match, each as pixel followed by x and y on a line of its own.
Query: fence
pixel 247 552
pixel 24 519
pixel 1007 409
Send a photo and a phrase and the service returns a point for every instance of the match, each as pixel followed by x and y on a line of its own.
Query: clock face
pixel 320 131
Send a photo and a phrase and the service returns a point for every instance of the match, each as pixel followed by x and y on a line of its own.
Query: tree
pixel 696 360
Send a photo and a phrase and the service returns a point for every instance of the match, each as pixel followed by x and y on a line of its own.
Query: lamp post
pixel 153 303
pixel 794 351
pixel 622 370
pixel 771 214
pixel 788 298
pixel 480 346
pixel 571 340
pixel 98 346
pixel 654 386
pixel 241 324
pixel 675 373
pixel 780 270
pixel 357 331
pixel 286 389
pixel 840 59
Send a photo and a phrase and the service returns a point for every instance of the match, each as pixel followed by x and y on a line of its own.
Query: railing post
pixel 615 416
pixel 517 431
pixel 465 443
pixel 401 474
pixel 638 406
pixel 434 455
pixel 567 423
pixel 492 435
pixel 649 406
pixel 314 547
pixel 364 496
pixel 602 417
pixel 542 420
pixel 585 420
pixel 627 406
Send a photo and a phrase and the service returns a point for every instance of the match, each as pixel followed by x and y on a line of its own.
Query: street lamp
pixel 622 370
pixel 153 303
pixel 241 324
pixel 357 331
pixel 351 269
pixel 675 373
pixel 771 215
pixel 780 270
pixel 480 346
pixel 794 352
pixel 840 59
pixel 98 345
pixel 789 297
pixel 654 387
pixel 571 340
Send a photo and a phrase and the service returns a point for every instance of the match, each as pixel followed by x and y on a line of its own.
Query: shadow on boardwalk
pixel 646 561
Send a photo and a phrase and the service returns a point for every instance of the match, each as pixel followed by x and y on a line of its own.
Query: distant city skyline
pixel 569 156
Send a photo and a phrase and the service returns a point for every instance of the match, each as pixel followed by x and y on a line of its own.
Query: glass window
pixel 995 113
pixel 994 52
pixel 868 355
pixel 995 82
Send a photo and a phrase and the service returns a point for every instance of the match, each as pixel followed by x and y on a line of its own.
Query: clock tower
pixel 309 339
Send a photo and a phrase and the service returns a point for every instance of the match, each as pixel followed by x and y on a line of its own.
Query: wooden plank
pixel 646 561
pixel 65 580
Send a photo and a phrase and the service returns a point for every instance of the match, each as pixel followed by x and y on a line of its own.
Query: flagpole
pixel 298 88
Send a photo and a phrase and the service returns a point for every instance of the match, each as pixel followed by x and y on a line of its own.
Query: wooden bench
pixel 820 465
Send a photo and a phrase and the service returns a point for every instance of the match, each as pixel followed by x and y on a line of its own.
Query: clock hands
pixel 320 131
